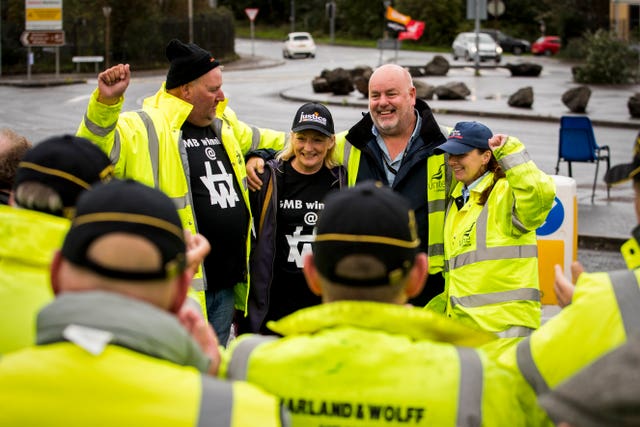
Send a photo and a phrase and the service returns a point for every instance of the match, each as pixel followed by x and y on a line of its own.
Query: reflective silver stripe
pixel 528 367
pixel 255 138
pixel 114 155
pixel 436 249
pixel 346 153
pixel 625 287
pixel 482 253
pixel 239 363
pixel 516 331
pixel 492 254
pixel 627 293
pixel 448 176
pixel 517 224
pixel 95 129
pixel 216 403
pixel 479 300
pixel 470 389
pixel 436 206
pixel 154 145
pixel 180 202
pixel 513 160
pixel 197 284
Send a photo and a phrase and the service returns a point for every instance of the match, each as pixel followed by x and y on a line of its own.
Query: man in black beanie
pixel 187 142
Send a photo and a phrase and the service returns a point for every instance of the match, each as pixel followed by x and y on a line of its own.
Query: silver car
pixel 464 46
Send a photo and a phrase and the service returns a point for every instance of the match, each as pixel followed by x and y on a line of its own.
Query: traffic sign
pixel 252 12
pixel 42 38
pixel 43 15
pixel 495 7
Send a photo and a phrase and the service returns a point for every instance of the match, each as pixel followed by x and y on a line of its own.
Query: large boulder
pixel 524 69
pixel 522 98
pixel 339 81
pixel 424 90
pixel 438 66
pixel 415 71
pixel 633 104
pixel 453 91
pixel 320 85
pixel 577 98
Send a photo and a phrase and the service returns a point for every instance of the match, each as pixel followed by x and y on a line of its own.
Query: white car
pixel 299 44
pixel 464 46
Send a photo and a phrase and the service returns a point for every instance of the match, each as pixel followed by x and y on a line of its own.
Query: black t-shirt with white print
pixel 218 206
pixel 300 200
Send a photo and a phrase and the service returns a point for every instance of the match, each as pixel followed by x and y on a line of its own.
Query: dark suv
pixel 508 43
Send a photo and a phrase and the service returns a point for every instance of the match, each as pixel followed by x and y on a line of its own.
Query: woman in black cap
pixel 285 212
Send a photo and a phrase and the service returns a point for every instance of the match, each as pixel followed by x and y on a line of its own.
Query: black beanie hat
pixel 188 62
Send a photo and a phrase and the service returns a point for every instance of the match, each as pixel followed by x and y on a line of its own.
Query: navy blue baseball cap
pixel 464 137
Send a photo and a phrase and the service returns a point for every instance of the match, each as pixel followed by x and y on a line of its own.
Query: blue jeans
pixel 220 312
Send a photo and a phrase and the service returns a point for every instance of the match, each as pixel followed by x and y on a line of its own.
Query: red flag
pixel 414 31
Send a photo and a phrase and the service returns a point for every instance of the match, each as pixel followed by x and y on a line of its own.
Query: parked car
pixel 547 45
pixel 299 44
pixel 464 46
pixel 508 43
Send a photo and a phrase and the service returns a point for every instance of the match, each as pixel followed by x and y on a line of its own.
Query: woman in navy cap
pixel 285 212
pixel 490 243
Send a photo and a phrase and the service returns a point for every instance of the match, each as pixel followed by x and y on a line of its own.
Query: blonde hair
pixel 330 160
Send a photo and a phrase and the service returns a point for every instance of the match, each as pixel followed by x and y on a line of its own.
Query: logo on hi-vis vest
pixel 359 411
pixel 299 246
pixel 220 186
pixel 436 183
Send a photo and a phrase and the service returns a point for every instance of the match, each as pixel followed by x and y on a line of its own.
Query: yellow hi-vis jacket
pixel 438 188
pixel 28 242
pixel 129 365
pixel 145 145
pixel 604 312
pixel 357 363
pixel 491 264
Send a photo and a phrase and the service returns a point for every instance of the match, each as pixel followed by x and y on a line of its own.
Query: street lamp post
pixel 293 15
pixel 106 10
pixel 190 12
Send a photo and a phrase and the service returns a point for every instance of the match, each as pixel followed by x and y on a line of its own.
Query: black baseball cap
pixel 68 164
pixel 313 116
pixel 127 206
pixel 369 220
pixel 626 171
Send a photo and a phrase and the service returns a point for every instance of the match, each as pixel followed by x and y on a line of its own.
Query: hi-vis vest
pixel 145 145
pixel 62 384
pixel 28 243
pixel 491 265
pixel 438 188
pixel 369 364
pixel 604 312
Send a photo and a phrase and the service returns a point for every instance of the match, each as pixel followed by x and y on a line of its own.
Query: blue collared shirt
pixel 393 165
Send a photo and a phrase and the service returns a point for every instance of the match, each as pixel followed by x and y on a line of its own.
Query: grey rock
pixel 339 81
pixel 522 98
pixel 452 91
pixel 524 69
pixel 320 85
pixel 424 90
pixel 438 66
pixel 633 104
pixel 577 98
pixel 415 71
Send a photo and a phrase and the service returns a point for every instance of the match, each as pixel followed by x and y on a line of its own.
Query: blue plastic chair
pixel 578 144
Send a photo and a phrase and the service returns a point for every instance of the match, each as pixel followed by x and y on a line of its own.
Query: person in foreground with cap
pixel 286 207
pixel 110 345
pixel 12 148
pixel 601 313
pixel 187 142
pixel 48 181
pixel 393 143
pixel 362 357
pixel 490 244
